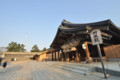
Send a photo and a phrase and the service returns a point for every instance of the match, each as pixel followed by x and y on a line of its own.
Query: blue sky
pixel 36 21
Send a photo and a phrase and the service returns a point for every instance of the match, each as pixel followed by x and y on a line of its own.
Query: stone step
pixel 74 67
pixel 79 69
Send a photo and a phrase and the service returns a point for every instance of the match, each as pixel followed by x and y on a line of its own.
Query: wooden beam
pixel 97 27
pixel 105 34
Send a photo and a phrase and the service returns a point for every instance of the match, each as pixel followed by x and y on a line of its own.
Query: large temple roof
pixel 67 27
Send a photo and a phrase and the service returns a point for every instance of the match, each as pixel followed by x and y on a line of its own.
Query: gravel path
pixel 33 70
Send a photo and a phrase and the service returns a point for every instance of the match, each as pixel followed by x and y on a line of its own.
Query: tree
pixel 35 49
pixel 44 49
pixel 14 47
pixel 22 48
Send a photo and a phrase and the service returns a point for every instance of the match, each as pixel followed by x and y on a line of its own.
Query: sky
pixel 33 22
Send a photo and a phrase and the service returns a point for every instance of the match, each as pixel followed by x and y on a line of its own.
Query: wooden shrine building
pixel 73 43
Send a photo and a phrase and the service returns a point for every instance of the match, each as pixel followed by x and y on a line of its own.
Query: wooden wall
pixel 49 57
pixel 45 57
pixel 42 57
pixel 112 51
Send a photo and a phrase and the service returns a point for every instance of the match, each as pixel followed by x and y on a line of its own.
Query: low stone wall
pixel 109 71
pixel 19 56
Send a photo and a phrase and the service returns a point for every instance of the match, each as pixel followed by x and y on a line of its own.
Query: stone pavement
pixel 33 70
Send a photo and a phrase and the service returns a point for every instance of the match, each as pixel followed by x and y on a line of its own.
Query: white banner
pixel 96 37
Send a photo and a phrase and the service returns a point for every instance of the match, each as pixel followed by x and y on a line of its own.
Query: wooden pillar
pixel 62 56
pixel 58 56
pixel 88 53
pixel 52 56
pixel 55 55
pixel 46 57
pixel 67 57
pixel 73 57
pixel 77 56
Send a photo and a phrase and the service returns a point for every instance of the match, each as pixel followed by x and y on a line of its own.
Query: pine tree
pixel 35 49
pixel 44 49
pixel 14 47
